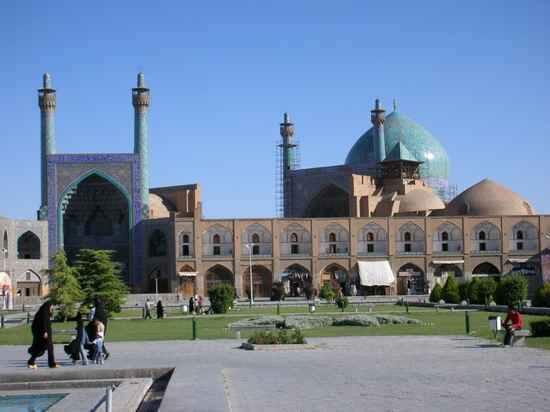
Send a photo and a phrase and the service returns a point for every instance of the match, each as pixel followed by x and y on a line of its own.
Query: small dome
pixel 420 200
pixel 488 198
pixel 420 143
pixel 158 207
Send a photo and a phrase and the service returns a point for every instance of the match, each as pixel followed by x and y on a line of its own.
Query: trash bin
pixel 495 324
pixel 184 308
pixel 311 307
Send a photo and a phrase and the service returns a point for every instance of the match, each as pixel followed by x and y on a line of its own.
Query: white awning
pixel 448 262
pixel 376 273
pixel 4 280
pixel 188 274
pixel 518 260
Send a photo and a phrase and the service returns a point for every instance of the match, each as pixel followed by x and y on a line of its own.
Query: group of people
pixel 90 337
pixel 196 304
pixel 148 307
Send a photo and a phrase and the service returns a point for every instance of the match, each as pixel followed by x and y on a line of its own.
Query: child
pixel 98 342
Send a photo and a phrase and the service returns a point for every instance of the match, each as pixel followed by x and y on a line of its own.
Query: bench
pixel 519 336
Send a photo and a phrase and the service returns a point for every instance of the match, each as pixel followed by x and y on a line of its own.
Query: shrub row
pixel 540 328
pixel 277 338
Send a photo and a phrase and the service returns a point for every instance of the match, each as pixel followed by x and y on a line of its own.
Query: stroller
pixel 73 350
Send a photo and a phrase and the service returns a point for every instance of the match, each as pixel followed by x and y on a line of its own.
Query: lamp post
pixel 249 247
pixel 4 303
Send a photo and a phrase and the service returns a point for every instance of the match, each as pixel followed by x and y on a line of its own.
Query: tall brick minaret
pixel 47 104
pixel 140 101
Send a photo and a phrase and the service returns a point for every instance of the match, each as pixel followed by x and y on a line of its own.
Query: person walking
pixel 42 338
pixel 200 304
pixel 98 342
pixel 148 309
pixel 191 305
pixel 160 310
pixel 102 316
pixel 81 340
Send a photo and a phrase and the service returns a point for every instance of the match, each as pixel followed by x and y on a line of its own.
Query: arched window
pixel 407 237
pixel 410 239
pixel 185 238
pixel 157 244
pixel 370 237
pixel 28 246
pixel 294 238
pixel 5 244
pixel 255 238
pixel 482 235
pixel 332 237
pixel 186 246
pixel 519 235
pixel 216 239
pixel 445 236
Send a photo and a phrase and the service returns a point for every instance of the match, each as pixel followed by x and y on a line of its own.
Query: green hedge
pixel 511 290
pixel 435 296
pixel 542 296
pixel 540 328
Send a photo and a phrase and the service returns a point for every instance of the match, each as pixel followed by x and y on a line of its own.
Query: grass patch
pixel 215 327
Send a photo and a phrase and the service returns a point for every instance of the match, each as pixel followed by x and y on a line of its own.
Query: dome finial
pixel 394 104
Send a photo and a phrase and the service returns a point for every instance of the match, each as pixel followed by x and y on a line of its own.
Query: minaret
pixel 47 104
pixel 377 118
pixel 140 101
pixel 287 147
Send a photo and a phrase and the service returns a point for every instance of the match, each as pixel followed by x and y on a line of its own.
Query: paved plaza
pixel 347 373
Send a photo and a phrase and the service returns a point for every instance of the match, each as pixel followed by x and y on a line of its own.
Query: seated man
pixel 513 322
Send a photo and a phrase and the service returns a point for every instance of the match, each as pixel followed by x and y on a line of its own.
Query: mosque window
pixel 185 238
pixel 216 239
pixel 294 249
pixel 216 251
pixel 445 236
pixel 370 237
pixel 482 235
pixel 408 247
pixel 294 238
pixel 370 248
pixel 407 236
pixel 185 250
pixel 255 238
pixel 255 249
pixel 332 237
pixel 482 246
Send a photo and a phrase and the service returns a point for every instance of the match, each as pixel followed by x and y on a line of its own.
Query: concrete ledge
pixel 277 347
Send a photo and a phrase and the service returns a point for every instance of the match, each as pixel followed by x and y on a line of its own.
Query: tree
pixel 473 291
pixel 542 296
pixel 435 296
pixel 99 277
pixel 221 297
pixel 65 291
pixel 450 293
pixel 486 290
pixel 511 290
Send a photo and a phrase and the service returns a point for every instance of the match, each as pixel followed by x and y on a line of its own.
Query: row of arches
pixel 256 240
pixel 28 246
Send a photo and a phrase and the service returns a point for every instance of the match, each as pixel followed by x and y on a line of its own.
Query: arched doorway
pixel 485 269
pixel 331 201
pixel 410 280
pixel 96 215
pixel 337 276
pixel 443 271
pixel 29 284
pixel 295 279
pixel 158 281
pixel 218 275
pixel 187 277
pixel 28 246
pixel 262 280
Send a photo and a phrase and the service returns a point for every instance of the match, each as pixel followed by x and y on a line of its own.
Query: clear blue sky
pixel 474 73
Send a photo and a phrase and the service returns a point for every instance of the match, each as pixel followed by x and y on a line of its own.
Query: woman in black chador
pixel 160 310
pixel 101 315
pixel 42 339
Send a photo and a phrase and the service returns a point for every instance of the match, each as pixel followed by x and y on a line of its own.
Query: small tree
pixel 473 291
pixel 463 291
pixel 64 287
pixel 542 296
pixel 99 277
pixel 327 292
pixel 450 293
pixel 511 290
pixel 221 297
pixel 435 296
pixel 277 291
pixel 486 290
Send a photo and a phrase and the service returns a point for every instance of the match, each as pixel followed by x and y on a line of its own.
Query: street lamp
pixel 249 247
pixel 4 258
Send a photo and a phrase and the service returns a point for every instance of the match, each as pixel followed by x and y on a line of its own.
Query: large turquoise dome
pixel 419 142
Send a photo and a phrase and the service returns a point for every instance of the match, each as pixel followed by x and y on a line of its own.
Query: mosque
pixel 386 221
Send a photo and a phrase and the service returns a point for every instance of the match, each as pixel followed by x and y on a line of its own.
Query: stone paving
pixel 402 373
